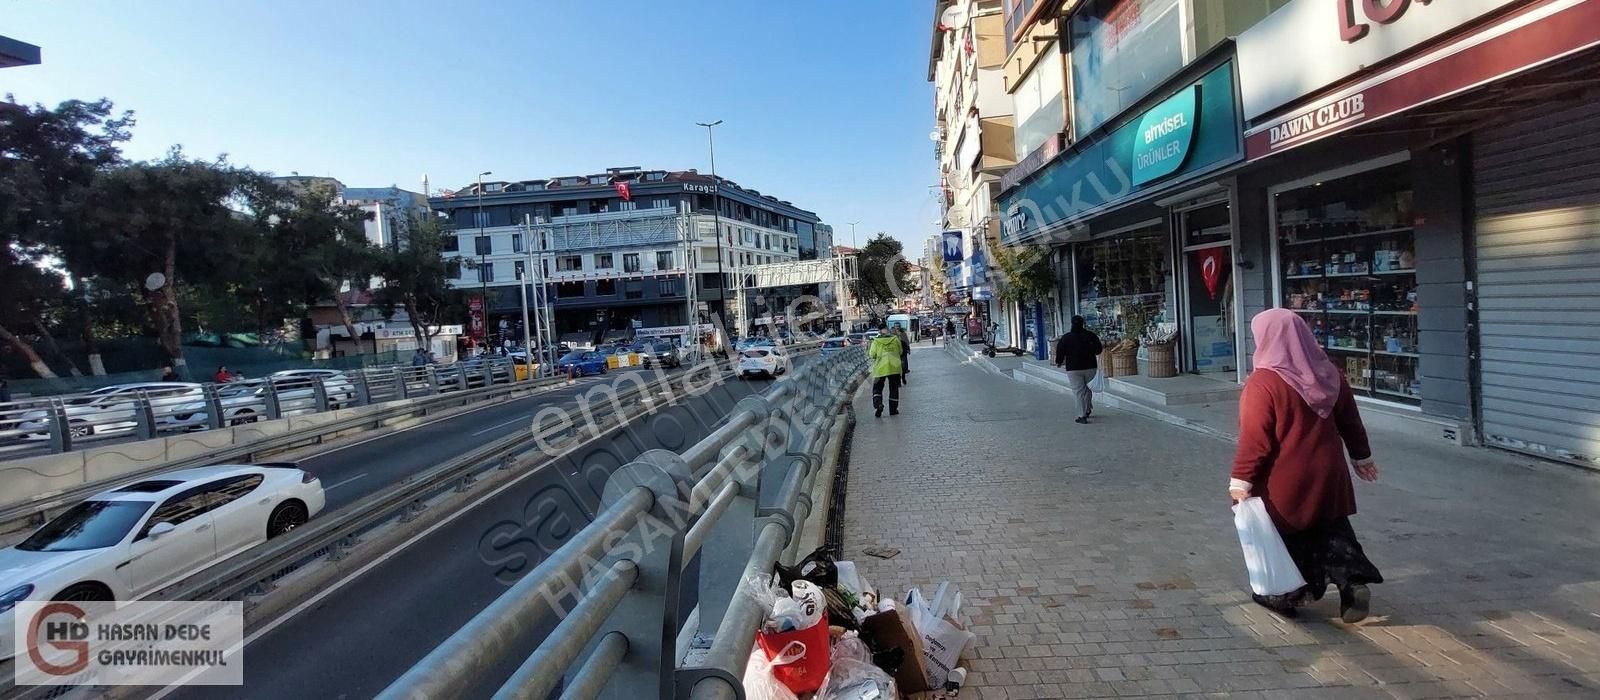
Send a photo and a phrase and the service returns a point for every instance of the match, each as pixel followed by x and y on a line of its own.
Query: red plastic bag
pixel 806 673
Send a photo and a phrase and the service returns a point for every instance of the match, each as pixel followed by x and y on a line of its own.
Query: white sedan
pixel 763 360
pixel 125 543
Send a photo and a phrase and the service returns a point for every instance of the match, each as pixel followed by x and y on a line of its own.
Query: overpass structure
pixel 838 271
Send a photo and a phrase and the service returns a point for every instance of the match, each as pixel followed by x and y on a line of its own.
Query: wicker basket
pixel 1103 361
pixel 1124 363
pixel 1160 361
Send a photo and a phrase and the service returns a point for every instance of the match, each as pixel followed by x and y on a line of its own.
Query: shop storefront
pixel 1422 185
pixel 1142 229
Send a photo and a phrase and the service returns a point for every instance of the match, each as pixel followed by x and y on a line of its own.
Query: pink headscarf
pixel 1285 345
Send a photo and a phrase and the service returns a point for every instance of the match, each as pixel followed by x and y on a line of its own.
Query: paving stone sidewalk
pixel 1101 561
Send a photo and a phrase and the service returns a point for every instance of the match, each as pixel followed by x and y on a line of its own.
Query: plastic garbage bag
pixel 851 647
pixel 850 679
pixel 1098 384
pixel 759 681
pixel 943 639
pixel 1272 570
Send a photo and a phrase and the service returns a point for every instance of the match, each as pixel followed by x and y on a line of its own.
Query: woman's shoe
pixel 1268 603
pixel 1355 602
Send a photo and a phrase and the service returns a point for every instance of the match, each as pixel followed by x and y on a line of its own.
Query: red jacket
pixel 1295 459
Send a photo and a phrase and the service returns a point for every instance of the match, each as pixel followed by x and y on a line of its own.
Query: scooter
pixel 991 350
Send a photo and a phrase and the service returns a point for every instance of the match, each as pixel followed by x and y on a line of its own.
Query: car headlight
pixel 15 595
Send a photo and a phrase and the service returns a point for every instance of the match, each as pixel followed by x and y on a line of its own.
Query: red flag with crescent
pixel 1211 269
pixel 624 192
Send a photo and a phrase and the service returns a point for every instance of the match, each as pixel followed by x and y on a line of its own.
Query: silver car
pixel 111 410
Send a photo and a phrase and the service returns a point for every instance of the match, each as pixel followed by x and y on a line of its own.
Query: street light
pixel 483 257
pixel 853 243
pixel 716 215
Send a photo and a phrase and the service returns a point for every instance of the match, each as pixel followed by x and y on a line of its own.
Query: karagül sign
pixel 701 189
pixel 1307 45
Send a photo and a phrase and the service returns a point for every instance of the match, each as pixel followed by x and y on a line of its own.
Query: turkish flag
pixel 1212 269
pixel 622 189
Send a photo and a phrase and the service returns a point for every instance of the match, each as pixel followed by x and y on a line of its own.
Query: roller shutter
pixel 1537 198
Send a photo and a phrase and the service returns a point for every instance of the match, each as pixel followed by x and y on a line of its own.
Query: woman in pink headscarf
pixel 1297 422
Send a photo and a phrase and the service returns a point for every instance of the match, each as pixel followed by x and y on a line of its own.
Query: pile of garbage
pixel 829 635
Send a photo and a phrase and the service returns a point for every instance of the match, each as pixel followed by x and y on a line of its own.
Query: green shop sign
pixel 1191 131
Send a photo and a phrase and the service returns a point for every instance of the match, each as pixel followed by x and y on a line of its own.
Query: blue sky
pixel 825 104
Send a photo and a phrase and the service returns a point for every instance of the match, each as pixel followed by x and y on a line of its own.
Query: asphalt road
pixel 366 630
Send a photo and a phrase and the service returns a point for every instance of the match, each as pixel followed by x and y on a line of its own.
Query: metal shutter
pixel 1537 195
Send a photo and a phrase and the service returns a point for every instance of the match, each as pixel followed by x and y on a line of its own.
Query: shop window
pixel 1121 49
pixel 1124 283
pixel 670 288
pixel 1347 264
pixel 633 289
pixel 569 290
pixel 1215 21
pixel 605 288
pixel 1038 104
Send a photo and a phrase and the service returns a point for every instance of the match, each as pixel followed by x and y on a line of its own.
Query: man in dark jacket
pixel 1076 352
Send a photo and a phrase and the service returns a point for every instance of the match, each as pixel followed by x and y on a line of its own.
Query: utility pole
pixel 483 258
pixel 716 214
pixel 522 290
pixel 853 243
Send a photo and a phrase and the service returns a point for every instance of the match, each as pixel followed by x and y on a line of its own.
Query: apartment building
pixel 1416 179
pixel 616 250
pixel 973 136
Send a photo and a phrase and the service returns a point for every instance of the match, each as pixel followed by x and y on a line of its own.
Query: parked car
pixel 110 410
pixel 341 392
pixel 583 363
pixel 662 352
pixel 832 345
pixel 763 360
pixel 127 542
pixel 857 338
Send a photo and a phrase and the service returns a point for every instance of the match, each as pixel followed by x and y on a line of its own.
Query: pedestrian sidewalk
pixel 1101 561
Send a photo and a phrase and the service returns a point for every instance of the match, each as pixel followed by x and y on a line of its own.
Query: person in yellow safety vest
pixel 884 354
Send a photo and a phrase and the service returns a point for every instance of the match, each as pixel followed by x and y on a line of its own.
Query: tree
pixel 882 273
pixel 1026 272
pixel 49 159
pixel 174 222
pixel 416 276
pixel 314 248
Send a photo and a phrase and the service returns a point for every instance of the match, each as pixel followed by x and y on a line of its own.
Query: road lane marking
pixel 346 481
pixel 493 428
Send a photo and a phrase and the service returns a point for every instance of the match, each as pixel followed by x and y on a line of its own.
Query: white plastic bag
pixel 1098 384
pixel 857 680
pixel 942 640
pixel 1272 570
pixel 759 683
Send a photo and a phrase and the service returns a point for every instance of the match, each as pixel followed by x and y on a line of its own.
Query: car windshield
pixel 756 353
pixel 88 525
pixel 572 357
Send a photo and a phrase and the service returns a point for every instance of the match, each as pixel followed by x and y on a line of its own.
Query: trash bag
pixel 854 680
pixel 1098 384
pixel 1272 570
pixel 759 681
pixel 943 638
pixel 819 568
pixel 853 648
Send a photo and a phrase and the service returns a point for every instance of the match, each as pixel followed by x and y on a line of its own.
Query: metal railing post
pixel 214 417
pixel 727 545
pixel 433 380
pixel 274 403
pixel 319 392
pixel 60 429
pixel 648 615
pixel 488 372
pixel 144 417
pixel 461 376
pixel 363 390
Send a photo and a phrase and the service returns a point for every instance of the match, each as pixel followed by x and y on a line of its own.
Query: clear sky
pixel 825 104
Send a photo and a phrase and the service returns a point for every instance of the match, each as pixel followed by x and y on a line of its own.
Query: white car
pixel 110 410
pixel 341 392
pixel 125 543
pixel 763 360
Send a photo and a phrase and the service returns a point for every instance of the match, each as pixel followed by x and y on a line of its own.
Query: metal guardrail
pixel 426 388
pixel 146 410
pixel 738 498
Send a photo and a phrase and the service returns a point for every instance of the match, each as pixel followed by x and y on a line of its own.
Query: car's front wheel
pixel 84 592
pixel 285 518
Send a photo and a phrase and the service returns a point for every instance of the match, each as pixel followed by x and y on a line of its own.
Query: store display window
pixel 1347 264
pixel 1124 283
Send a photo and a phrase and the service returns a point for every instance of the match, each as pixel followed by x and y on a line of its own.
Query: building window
pixel 480 218
pixel 483 245
pixel 1215 21
pixel 516 242
pixel 522 268
pixel 767 239
pixel 633 289
pixel 627 206
pixel 486 272
pixel 452 269
pixel 569 290
pixel 569 211
pixel 1037 103
pixel 544 265
pixel 605 288
pixel 670 288
pixel 630 262
pixel 711 281
pixel 452 244
pixel 569 263
pixel 661 203
pixel 1121 49
pixel 602 261
pixel 664 260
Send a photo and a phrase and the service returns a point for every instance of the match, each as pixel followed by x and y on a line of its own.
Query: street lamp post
pixel 853 243
pixel 483 258
pixel 716 213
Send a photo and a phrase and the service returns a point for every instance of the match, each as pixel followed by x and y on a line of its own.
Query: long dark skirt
pixel 1325 553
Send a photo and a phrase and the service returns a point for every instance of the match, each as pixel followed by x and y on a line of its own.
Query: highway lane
pixel 358 637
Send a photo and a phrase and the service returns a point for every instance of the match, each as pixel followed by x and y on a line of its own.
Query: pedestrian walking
pixel 885 355
pixel 949 330
pixel 905 354
pixel 419 358
pixel 1077 352
pixel 1297 422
